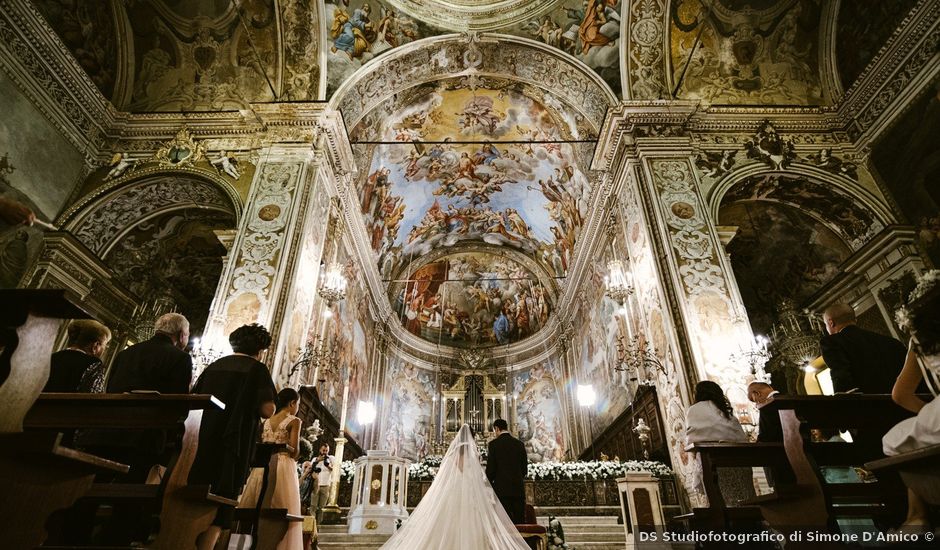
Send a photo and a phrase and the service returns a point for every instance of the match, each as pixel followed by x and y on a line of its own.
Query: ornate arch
pixel 817 193
pixel 103 217
pixel 486 55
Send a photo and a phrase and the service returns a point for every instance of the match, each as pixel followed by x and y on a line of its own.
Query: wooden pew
pixel 717 455
pixel 185 510
pixel 37 474
pixel 868 417
pixel 920 470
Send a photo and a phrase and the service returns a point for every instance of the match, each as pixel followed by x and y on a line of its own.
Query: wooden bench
pixel 719 515
pixel 185 511
pixel 920 470
pixel 868 418
pixel 38 475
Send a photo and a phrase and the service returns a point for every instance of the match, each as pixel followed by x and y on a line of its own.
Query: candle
pixel 342 421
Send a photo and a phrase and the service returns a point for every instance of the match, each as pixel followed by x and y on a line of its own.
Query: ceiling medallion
pixel 476 15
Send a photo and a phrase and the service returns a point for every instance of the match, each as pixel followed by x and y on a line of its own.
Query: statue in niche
pixel 120 164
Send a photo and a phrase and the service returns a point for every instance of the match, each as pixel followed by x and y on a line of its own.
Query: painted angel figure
pixel 228 164
pixel 120 163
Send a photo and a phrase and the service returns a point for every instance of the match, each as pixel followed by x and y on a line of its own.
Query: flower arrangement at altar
pixel 595 469
pixel 347 471
pixel 556 535
pixel 422 471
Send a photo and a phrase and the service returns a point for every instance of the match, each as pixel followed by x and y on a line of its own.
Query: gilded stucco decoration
pixel 646 57
pixel 180 152
pixel 117 209
pixel 511 58
pixel 260 246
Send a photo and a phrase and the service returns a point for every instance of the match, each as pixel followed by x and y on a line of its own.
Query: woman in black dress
pixel 227 437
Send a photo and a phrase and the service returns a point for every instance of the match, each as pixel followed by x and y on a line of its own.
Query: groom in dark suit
pixel 506 466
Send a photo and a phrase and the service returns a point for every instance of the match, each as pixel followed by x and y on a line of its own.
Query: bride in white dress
pixel 460 510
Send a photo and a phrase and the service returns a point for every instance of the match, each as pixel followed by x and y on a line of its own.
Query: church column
pixel 693 315
pixel 273 266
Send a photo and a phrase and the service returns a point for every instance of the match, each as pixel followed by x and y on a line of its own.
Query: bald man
pixel 858 359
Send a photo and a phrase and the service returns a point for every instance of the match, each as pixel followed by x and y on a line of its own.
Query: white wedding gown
pixel 460 510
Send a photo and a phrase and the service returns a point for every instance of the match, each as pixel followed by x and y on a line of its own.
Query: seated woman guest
pixel 711 418
pixel 284 428
pixel 78 367
pixel 922 430
pixel 227 437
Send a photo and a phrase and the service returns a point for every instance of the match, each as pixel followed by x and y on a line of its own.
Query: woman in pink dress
pixel 283 427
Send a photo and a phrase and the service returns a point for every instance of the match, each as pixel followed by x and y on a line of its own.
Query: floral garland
pixel 426 470
pixel 925 283
pixel 595 469
pixel 556 535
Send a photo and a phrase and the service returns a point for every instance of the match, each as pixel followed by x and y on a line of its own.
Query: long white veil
pixel 460 510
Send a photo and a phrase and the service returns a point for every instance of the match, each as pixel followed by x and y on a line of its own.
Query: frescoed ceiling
pixel 778 252
pixel 460 165
pixel 746 52
pixel 360 30
pixel 178 250
pixel 192 55
pixel 454 167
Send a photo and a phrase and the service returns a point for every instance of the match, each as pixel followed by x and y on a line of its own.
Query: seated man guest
pixel 859 359
pixel 78 367
pixel 158 364
pixel 227 437
pixel 762 394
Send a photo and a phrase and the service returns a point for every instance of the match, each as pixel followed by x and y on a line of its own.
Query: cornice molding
pixel 32 55
pixel 907 63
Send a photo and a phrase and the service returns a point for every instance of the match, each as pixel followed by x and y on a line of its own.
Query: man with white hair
pixel 158 364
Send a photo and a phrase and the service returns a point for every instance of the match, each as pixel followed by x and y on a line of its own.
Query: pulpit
pixel 641 506
pixel 380 494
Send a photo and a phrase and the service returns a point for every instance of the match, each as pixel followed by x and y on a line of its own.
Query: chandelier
pixel 795 335
pixel 615 282
pixel 639 358
pixel 322 356
pixel 333 288
pixel 755 356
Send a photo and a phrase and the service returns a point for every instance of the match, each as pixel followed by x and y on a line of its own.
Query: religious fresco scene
pixel 360 31
pixel 529 198
pixel 539 416
pixel 410 425
pixel 473 299
pixel 589 31
pixel 779 252
pixel 628 229
pixel 596 350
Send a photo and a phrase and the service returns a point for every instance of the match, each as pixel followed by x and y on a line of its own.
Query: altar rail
pixel 562 493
